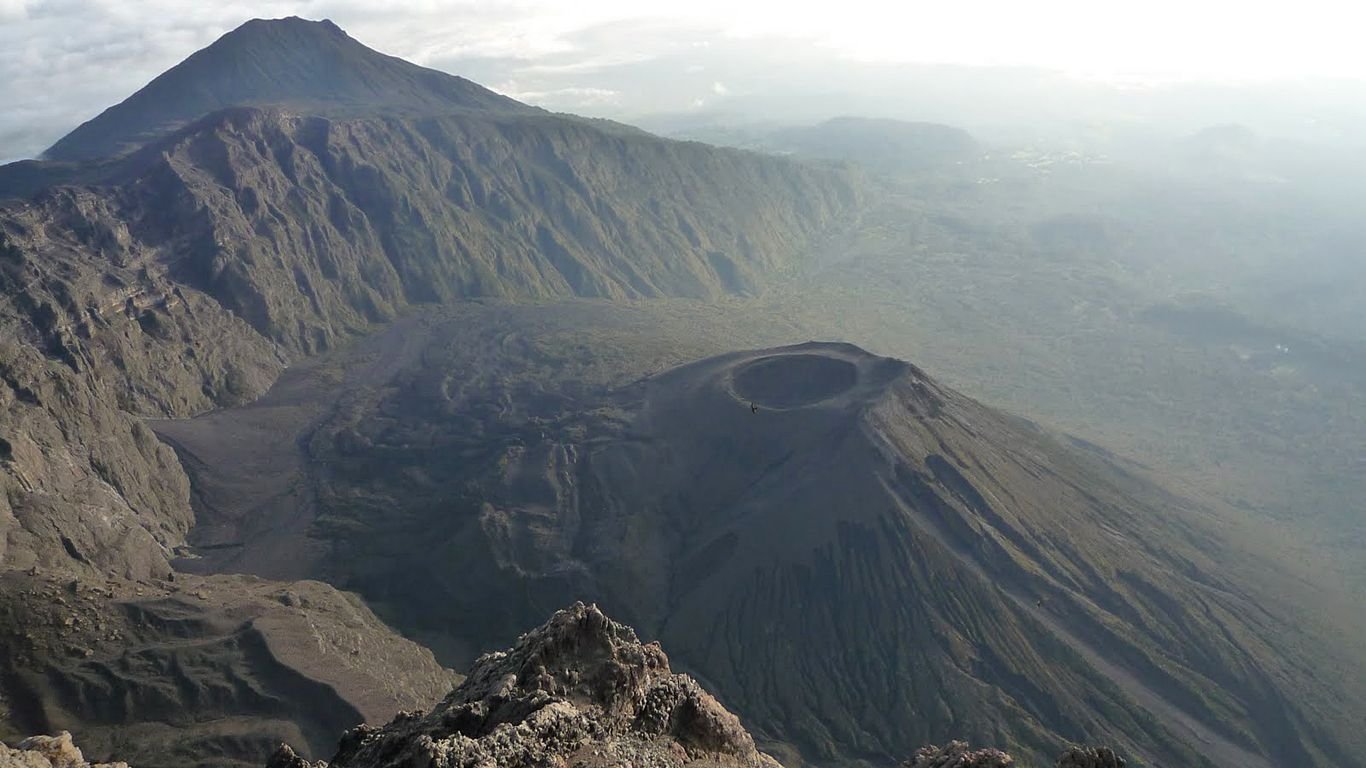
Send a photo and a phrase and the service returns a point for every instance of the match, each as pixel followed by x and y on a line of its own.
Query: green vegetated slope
pixel 867 563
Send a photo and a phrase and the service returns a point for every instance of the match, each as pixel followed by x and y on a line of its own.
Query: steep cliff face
pixel 95 334
pixel 312 227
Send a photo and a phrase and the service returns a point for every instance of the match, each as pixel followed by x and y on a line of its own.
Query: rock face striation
pixel 581 690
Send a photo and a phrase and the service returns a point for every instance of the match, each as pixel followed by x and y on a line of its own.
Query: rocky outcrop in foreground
pixel 581 690
pixel 48 752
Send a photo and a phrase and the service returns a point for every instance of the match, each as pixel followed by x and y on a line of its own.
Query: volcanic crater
pixel 793 381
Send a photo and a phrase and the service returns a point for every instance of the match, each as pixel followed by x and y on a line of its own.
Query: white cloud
pixel 719 88
pixel 560 98
pixel 62 61
pixel 13 10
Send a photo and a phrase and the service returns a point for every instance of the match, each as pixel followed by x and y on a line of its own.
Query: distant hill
pixel 307 67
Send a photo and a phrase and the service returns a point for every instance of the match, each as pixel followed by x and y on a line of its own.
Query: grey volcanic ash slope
pixel 869 563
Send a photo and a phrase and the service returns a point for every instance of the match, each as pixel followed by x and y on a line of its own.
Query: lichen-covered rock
pixel 48 752
pixel 582 690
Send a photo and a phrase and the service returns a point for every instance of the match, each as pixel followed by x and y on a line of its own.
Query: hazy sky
pixel 62 61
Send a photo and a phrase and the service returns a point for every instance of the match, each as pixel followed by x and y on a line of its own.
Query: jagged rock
pixel 286 757
pixel 581 690
pixel 957 754
pixel 48 752
pixel 1090 757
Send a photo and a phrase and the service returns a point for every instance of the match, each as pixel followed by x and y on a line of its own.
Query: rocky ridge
pixel 582 690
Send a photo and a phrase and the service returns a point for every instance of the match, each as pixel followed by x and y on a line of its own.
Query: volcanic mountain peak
pixel 293 62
